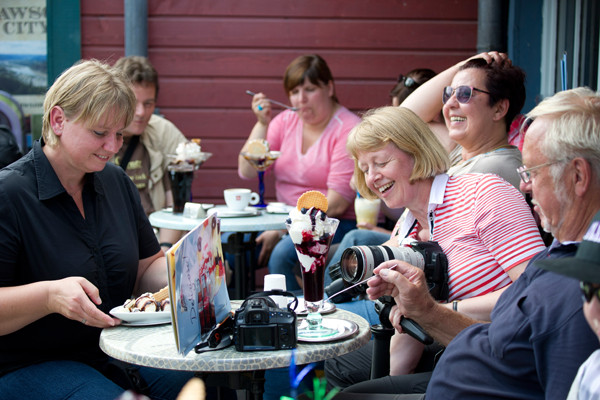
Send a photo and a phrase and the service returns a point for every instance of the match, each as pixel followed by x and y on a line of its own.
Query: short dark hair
pixel 503 81
pixel 310 66
pixel 410 82
pixel 139 70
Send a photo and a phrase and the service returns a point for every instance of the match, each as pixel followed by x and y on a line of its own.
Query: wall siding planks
pixel 209 52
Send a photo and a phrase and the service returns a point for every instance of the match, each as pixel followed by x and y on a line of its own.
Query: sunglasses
pixel 408 81
pixel 463 93
pixel 589 290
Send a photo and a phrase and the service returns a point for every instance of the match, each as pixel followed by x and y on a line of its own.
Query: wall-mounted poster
pixel 23 66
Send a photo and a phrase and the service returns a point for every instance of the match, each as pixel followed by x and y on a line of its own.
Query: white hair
pixel 573 128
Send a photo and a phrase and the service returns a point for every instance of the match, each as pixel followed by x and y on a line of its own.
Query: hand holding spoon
pixel 248 92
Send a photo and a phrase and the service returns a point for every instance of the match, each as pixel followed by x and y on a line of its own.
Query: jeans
pixel 63 379
pixel 352 373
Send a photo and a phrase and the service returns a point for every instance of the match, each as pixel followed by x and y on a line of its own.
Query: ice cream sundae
pixel 311 232
pixel 190 153
pixel 188 158
pixel 149 302
pixel 258 154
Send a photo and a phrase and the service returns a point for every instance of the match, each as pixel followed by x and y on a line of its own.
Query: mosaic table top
pixel 154 346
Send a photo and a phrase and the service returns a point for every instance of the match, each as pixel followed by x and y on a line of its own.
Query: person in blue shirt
pixel 585 267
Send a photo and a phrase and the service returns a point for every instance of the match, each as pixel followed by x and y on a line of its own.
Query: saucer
pixel 278 208
pixel 327 308
pixel 226 212
pixel 141 318
pixel 340 329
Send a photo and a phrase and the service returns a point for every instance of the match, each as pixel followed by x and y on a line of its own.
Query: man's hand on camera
pixel 407 285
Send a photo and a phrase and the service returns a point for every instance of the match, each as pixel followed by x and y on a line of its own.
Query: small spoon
pixel 356 284
pixel 248 92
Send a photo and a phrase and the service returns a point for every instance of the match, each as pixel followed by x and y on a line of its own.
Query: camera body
pixel 358 262
pixel 261 325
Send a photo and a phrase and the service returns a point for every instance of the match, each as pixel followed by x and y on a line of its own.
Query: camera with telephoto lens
pixel 261 325
pixel 358 262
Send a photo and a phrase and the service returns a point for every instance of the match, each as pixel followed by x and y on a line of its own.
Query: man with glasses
pixel 585 267
pixel 538 336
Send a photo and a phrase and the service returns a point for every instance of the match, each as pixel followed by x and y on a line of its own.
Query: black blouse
pixel 43 236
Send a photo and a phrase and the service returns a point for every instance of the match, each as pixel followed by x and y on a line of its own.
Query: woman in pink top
pixel 312 142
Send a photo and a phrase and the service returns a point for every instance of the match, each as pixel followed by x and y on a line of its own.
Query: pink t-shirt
pixel 326 164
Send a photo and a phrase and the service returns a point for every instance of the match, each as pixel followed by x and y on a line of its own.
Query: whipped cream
pixel 311 231
pixel 188 151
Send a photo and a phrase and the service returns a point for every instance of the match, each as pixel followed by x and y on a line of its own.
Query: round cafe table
pixel 262 222
pixel 236 245
pixel 154 346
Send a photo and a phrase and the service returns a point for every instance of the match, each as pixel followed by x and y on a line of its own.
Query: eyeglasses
pixel 525 173
pixel 589 290
pixel 463 93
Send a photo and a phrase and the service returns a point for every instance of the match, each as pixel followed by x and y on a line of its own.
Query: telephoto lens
pixel 358 262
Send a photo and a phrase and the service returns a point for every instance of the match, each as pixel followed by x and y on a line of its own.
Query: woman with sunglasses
pixel 479 98
pixel 408 83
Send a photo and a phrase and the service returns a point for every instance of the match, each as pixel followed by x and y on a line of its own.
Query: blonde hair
pixel 403 128
pixel 87 91
pixel 573 124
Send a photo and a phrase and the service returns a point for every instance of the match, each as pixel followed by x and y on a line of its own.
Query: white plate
pixel 225 212
pixel 141 318
pixel 327 308
pixel 341 327
pixel 278 208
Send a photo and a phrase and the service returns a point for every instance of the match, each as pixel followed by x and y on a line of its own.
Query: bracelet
pixel 455 305
pixel 165 244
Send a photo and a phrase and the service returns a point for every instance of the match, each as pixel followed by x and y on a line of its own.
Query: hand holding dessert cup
pixel 311 232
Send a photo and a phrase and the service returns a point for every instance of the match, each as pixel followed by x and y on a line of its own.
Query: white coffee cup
pixel 238 199
pixel 367 211
pixel 276 282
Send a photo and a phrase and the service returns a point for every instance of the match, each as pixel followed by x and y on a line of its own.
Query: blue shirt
pixel 532 349
pixel 43 236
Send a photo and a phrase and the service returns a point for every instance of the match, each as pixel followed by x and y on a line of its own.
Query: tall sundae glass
pixel 258 155
pixel 311 232
pixel 188 158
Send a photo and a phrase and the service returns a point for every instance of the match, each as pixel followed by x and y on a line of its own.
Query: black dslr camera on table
pixel 261 325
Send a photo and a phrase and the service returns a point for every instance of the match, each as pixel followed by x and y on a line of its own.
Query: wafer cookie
pixel 257 147
pixel 312 198
pixel 161 294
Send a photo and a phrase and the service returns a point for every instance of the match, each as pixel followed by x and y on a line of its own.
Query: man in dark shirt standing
pixel 538 336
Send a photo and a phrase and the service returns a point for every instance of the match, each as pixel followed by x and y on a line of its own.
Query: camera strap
pixel 219 337
pixel 275 292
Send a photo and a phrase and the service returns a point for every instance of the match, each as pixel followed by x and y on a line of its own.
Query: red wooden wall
pixel 208 53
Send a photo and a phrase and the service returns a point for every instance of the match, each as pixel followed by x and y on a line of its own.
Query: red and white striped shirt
pixel 485 228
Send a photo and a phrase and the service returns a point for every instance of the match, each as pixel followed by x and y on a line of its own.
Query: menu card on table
pixel 197 287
